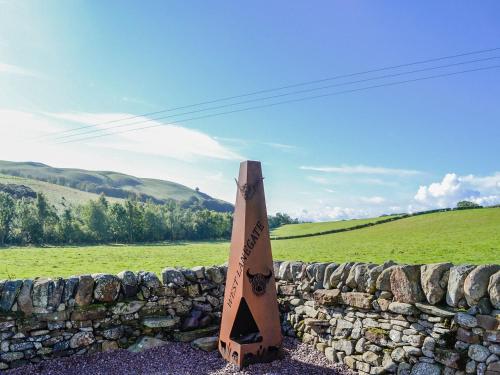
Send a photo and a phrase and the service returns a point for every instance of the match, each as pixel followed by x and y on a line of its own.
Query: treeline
pixel 34 221
pixel 281 219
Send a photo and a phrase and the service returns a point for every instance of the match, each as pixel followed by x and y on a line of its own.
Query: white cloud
pixel 361 169
pixel 330 214
pixel 333 213
pixel 23 139
pixel 318 180
pixel 454 188
pixel 280 146
pixel 168 140
pixel 16 70
pixel 373 200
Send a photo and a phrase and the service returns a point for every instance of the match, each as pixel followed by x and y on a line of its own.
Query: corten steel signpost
pixel 250 329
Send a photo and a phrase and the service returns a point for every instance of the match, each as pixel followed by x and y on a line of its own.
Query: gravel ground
pixel 179 359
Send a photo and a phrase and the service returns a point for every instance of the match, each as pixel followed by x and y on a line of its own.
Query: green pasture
pixel 469 236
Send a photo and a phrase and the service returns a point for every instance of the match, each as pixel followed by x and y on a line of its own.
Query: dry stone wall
pixel 405 319
pixel 389 318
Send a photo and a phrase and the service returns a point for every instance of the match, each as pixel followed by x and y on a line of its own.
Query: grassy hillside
pixel 311 228
pixel 56 194
pixel 112 184
pixel 469 236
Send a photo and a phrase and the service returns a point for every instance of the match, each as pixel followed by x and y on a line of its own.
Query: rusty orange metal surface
pixel 250 328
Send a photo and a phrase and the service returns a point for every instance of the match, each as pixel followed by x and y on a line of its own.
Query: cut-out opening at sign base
pixel 245 330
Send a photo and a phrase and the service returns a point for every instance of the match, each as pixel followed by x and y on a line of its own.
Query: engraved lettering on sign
pixel 246 252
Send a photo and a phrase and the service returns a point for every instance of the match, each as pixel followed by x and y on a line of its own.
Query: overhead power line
pixel 99 130
pixel 278 88
pixel 288 101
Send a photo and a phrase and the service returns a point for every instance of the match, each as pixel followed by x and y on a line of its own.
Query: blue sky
pixel 414 146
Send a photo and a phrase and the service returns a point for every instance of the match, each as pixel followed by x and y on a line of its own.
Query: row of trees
pixel 35 221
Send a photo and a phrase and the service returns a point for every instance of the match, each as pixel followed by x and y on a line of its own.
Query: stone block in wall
pixel 477 282
pixel 434 281
pixel 494 290
pixel 383 282
pixel 93 312
pixel 81 339
pixel 287 289
pixel 403 308
pixel 84 291
pixel 69 289
pixel 164 322
pixel 327 297
pixel 455 295
pixel 357 299
pixel 148 280
pixel 465 320
pixel 24 300
pixel 328 273
pixel 215 274
pixel 374 273
pixel 188 336
pixel 9 294
pixel 435 310
pixel 174 276
pixel 377 336
pixel 129 283
pixel 405 284
pixel 56 289
pixel 340 274
pixel 467 336
pixel 107 288
pixel 422 368
pixel 199 271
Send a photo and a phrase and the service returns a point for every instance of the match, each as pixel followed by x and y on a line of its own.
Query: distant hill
pixel 112 184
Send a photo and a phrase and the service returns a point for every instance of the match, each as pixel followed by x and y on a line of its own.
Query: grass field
pixel 469 236
pixel 54 193
pixel 309 228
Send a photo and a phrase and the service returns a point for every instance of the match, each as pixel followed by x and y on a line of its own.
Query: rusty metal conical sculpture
pixel 250 329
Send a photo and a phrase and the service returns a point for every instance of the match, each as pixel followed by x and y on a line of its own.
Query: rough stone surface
pixel 423 368
pixel 149 280
pixel 455 290
pixel 405 284
pixel 374 274
pixel 476 282
pixel 81 339
pixel 145 343
pixel 328 273
pixel 106 288
pixel 466 320
pixel 24 300
pixel 172 275
pixel 478 353
pixel 130 284
pixel 383 282
pixel 494 290
pixel 161 322
pixel 207 344
pixel 84 292
pixel 69 289
pixel 9 294
pixel 327 297
pixel 402 308
pixel 434 280
pixel 340 274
